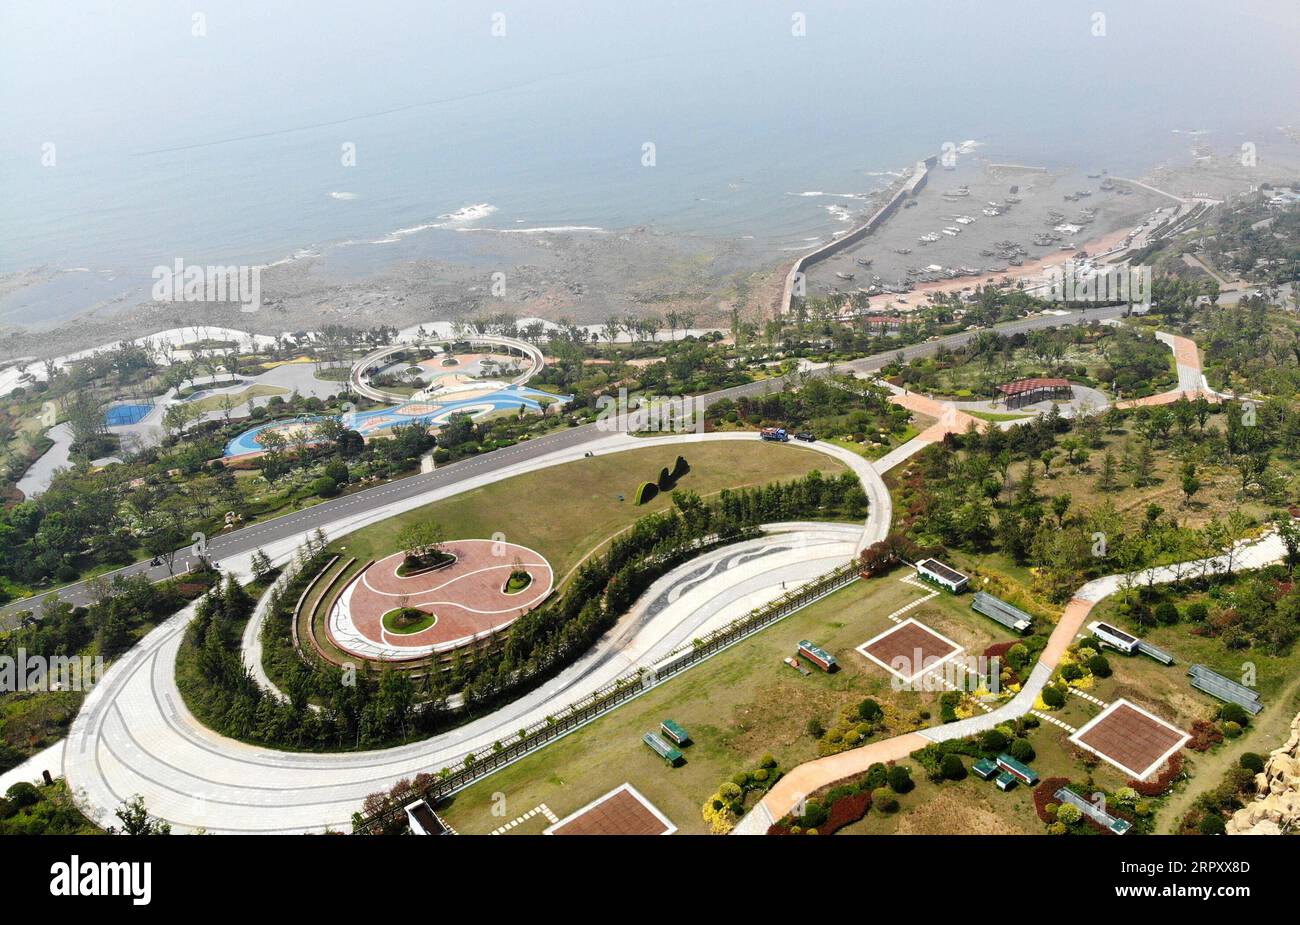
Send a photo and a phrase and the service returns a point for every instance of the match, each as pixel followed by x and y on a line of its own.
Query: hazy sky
pixel 131 75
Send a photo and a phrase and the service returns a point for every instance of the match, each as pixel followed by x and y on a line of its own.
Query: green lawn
pixel 564 512
pixel 739 705
pixel 407 620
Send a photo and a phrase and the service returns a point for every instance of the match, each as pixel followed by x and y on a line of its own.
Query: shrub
pixel 1045 796
pixel 1099 666
pixel 680 468
pixel 1053 696
pixel 1071 672
pixel 1252 762
pixel 767 761
pixel 952 767
pixel 1021 750
pixel 815 729
pixel 1234 713
pixel 1069 814
pixel 814 814
pixel 1197 613
pixel 883 799
pixel 1211 824
pixel 845 811
pixel 1057 828
pixel 1232 730
pixel 646 492
pixel 665 479
pixel 900 779
pixel 993 741
pixel 877 776
pixel 324 486
pixel 23 794
pixel 870 711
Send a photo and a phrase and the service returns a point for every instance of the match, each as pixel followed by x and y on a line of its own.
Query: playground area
pixel 467 598
pixel 127 413
pixel 478 401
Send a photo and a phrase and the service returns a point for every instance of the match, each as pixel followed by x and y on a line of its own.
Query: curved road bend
pixel 135 735
pixel 299 523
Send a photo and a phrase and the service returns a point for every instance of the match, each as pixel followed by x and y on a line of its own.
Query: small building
pixel 1094 812
pixel 1027 391
pixel 424 821
pixel 1225 689
pixel 674 733
pixel 985 769
pixel 817 655
pixel 1005 780
pixel 943 575
pixel 885 324
pixel 1021 772
pixel 661 748
pixel 999 610
pixel 1114 637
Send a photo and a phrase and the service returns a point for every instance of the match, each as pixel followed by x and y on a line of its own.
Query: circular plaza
pixel 390 613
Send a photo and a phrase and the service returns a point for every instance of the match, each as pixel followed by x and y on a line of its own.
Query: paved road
pixel 134 734
pixel 807 778
pixel 299 523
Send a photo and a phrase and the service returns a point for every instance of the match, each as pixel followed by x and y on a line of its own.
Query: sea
pixel 260 133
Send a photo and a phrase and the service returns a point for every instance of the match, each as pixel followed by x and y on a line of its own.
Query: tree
pixel 163 544
pixel 900 779
pixel 137 821
pixel 952 767
pixel 1190 483
pixel 261 565
pixel 1060 506
pixel 1106 481
pixel 421 540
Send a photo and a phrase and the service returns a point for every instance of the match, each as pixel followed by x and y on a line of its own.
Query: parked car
pixel 805 436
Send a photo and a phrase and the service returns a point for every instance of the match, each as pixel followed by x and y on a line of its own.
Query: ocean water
pixel 228 146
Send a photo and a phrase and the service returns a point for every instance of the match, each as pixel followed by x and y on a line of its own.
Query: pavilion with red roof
pixel 1027 391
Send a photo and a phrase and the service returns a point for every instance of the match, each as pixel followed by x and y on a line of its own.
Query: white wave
pixel 470 213
pixel 546 229
pixel 302 254
pixel 343 195
pixel 808 193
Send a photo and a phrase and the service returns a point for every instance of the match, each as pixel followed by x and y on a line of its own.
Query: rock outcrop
pixel 1276 809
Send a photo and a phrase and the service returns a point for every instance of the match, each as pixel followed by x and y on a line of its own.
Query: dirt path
pixel 1269 731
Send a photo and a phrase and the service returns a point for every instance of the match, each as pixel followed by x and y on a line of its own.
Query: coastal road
pixel 320 516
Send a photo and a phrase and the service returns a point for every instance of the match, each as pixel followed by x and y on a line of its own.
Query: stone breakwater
pixel 1276 810
pixel 909 186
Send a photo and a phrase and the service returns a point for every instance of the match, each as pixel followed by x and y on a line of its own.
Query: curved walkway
pixel 807 778
pixel 360 382
pixel 135 735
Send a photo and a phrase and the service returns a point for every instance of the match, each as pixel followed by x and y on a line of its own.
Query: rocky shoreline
pixel 1276 810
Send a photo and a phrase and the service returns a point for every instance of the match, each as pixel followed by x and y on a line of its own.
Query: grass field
pixel 739 705
pixel 216 402
pixel 564 512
